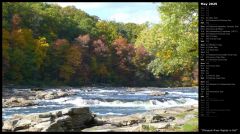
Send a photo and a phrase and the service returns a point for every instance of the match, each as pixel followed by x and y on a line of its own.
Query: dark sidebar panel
pixel 219 65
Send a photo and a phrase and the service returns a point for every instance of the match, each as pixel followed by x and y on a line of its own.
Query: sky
pixel 136 12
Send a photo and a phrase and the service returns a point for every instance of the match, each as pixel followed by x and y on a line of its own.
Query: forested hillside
pixel 48 45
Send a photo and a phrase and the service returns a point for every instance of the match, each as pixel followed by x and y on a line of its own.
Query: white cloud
pixel 136 17
pixel 122 17
pixel 119 11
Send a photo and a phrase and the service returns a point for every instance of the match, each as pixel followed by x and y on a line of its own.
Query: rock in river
pixel 52 95
pixel 158 93
pixel 17 102
pixel 37 89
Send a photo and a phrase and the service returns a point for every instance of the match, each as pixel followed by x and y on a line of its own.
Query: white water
pixel 112 101
pixel 149 104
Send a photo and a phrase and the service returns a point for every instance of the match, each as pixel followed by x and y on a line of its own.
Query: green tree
pixel 173 42
pixel 130 31
pixel 108 30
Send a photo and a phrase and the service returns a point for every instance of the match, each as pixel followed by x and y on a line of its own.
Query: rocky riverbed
pixel 94 109
pixel 159 120
pixel 73 119
pixel 82 119
pixel 21 98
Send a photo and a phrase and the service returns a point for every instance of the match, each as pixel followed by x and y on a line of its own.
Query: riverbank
pixel 6 87
pixel 81 119
pixel 175 119
pixel 11 91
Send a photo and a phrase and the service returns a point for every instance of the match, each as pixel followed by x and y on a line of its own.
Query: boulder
pixel 22 124
pixel 158 93
pixel 158 118
pixel 40 127
pixel 77 111
pixel 40 94
pixel 75 119
pixel 45 115
pixel 36 89
pixel 121 121
pixel 48 95
pixel 62 94
pixel 131 90
pixel 17 102
pixel 102 128
pixel 7 126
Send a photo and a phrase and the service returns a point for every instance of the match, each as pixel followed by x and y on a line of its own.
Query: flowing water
pixel 112 100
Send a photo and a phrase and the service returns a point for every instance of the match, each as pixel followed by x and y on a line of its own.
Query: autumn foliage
pixel 45 44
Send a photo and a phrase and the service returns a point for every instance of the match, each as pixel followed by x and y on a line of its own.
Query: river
pixel 112 100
